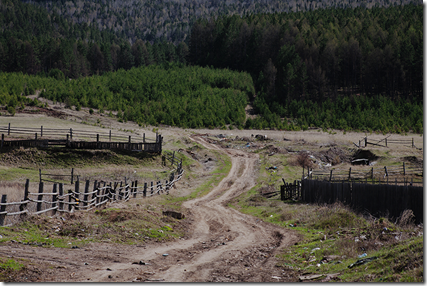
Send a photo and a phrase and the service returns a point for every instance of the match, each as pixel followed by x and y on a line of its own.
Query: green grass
pixel 10 265
pixel 331 240
pixel 16 173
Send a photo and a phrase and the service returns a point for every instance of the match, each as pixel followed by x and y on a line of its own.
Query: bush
pixel 11 110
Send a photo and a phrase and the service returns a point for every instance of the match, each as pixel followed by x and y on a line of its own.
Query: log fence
pixel 76 139
pixel 94 195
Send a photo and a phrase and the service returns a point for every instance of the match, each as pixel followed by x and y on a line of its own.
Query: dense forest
pixel 354 68
pixel 323 54
pixel 185 96
pixel 34 41
pixel 171 20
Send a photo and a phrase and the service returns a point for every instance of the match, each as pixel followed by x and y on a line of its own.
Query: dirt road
pixel 223 245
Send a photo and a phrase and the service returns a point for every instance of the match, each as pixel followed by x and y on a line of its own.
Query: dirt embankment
pixel 223 245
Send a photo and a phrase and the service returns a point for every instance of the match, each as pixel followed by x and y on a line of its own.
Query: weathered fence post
pixel 8 130
pixel 404 171
pixel 110 135
pixel 40 175
pixel 2 140
pixel 349 174
pixel 77 194
pixel 282 192
pixel 152 189
pixel 3 208
pixel 41 131
pixel 95 184
pixel 366 141
pixel 97 141
pixel 130 146
pixel 54 198
pixel 386 142
pixel 61 194
pixel 23 206
pixel 72 175
pixel 144 191
pixel 120 196
pixel 70 197
pixel 85 197
pixel 40 197
pixel 111 196
pixel 135 190
pixel 372 173
pixel 163 160
pixel 330 176
pixel 413 142
pixel 71 134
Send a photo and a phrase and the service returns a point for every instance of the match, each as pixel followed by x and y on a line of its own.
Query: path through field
pixel 224 245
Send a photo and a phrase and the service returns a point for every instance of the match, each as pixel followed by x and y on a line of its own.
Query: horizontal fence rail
pixel 95 194
pixel 76 139
pixel 364 142
pixel 391 174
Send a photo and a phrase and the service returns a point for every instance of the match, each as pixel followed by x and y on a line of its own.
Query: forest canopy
pixel 175 95
pixel 301 60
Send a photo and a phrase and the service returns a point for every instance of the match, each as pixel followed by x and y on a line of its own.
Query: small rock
pixel 108 269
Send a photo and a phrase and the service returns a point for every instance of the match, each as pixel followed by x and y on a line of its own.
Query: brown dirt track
pixel 223 245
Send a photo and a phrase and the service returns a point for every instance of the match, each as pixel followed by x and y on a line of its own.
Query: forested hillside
pixel 171 20
pixel 352 68
pixel 175 95
pixel 298 60
pixel 34 41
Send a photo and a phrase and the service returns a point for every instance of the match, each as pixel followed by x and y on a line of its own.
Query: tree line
pixel 171 20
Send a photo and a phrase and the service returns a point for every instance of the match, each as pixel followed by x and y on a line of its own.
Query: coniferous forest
pixel 357 66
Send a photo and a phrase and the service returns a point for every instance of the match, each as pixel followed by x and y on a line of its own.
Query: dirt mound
pixel 414 160
pixel 333 156
pixel 47 111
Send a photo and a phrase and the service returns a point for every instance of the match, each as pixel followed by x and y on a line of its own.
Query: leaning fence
pixel 63 199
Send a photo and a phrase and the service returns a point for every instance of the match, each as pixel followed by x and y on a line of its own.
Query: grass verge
pixel 338 245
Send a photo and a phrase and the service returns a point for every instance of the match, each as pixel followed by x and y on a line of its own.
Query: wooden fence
pixel 404 174
pixel 95 195
pixel 378 200
pixel 76 139
pixel 364 142
pixel 55 178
